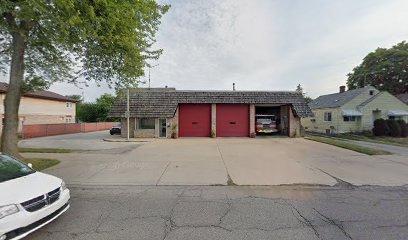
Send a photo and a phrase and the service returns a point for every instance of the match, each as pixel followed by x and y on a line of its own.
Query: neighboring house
pixel 403 97
pixel 161 112
pixel 41 107
pixel 353 111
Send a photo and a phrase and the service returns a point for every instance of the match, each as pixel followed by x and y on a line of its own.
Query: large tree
pixel 44 41
pixel 385 69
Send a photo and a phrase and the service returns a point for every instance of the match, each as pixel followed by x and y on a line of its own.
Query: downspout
pixel 289 120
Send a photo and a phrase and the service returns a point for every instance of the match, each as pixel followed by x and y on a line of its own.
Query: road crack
pixel 334 223
pixel 304 220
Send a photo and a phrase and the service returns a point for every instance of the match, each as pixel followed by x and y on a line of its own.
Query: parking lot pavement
pixel 78 141
pixel 220 161
pixel 158 212
pixel 298 161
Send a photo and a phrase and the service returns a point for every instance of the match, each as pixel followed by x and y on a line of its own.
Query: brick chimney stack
pixel 342 89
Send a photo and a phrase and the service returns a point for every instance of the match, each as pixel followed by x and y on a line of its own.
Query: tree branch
pixel 11 21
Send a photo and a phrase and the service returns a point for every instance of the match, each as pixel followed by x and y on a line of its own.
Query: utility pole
pixel 128 113
pixel 149 72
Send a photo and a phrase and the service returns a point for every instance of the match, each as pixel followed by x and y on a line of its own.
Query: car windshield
pixel 265 120
pixel 11 168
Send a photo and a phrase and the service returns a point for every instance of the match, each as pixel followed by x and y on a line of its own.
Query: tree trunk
pixel 12 102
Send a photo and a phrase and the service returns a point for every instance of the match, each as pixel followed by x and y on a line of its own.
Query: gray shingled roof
pixel 403 97
pixel 164 103
pixel 40 94
pixel 336 99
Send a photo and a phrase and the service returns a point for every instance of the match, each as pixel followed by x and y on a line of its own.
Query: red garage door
pixel 232 120
pixel 194 120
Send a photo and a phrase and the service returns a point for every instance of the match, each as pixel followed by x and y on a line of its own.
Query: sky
pixel 267 44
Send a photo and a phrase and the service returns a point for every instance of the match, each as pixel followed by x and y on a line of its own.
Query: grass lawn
pixel 347 145
pixel 41 163
pixel 44 150
pixel 401 142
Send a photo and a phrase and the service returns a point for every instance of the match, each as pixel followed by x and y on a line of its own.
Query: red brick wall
pixel 42 130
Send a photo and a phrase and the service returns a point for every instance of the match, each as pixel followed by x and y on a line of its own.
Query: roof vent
pixel 233 86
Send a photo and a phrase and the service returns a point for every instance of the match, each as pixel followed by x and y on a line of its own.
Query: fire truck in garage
pixel 266 123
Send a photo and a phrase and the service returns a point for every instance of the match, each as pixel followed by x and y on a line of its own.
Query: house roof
pixel 40 94
pixel 403 97
pixel 164 103
pixel 336 99
pixel 370 99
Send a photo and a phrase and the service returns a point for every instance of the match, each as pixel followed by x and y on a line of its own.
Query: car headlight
pixel 63 186
pixel 8 210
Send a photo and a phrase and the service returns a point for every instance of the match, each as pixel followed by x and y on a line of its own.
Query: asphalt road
pixel 291 212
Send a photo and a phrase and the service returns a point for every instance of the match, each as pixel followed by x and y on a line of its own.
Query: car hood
pixel 25 188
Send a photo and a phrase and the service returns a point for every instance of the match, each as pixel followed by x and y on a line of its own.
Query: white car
pixel 28 199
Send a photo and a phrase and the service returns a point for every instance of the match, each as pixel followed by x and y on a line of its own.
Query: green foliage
pixel 40 164
pixel 404 127
pixel 385 69
pixel 395 129
pixel 97 111
pixel 35 84
pixel 380 127
pixel 95 40
pixel 308 99
pixel 347 145
pixel 75 97
pixel 299 89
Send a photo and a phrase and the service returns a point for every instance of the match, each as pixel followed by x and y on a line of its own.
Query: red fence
pixel 42 130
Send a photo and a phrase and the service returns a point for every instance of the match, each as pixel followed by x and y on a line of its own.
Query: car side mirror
pixel 30 165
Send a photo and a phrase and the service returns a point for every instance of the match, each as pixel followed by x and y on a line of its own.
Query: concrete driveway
pixel 221 161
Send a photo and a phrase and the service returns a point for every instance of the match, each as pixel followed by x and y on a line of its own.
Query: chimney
pixel 233 86
pixel 342 89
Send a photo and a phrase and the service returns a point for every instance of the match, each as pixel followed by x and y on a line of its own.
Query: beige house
pixel 41 107
pixel 353 111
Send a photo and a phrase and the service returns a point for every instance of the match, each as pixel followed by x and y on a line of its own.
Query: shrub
pixel 395 129
pixel 404 128
pixel 380 127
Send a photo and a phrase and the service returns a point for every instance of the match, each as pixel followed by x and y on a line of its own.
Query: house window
pixel 394 117
pixel 69 104
pixel 68 120
pixel 349 118
pixel 146 123
pixel 327 116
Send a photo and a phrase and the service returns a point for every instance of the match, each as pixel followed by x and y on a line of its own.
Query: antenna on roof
pixel 149 72
pixel 233 86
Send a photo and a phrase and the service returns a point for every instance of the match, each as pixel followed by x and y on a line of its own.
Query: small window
pixel 395 117
pixel 349 118
pixel 146 123
pixel 327 116
pixel 68 120
pixel 69 104
pixel 371 92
